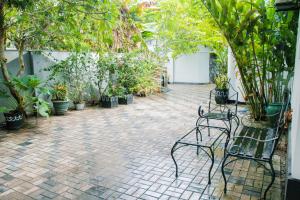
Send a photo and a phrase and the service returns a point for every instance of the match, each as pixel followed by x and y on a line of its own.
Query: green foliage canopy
pixel 263 43
pixel 181 27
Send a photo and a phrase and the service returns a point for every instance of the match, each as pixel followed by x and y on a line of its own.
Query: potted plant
pixel 79 104
pixel 110 98
pixel 92 94
pixel 59 99
pixel 79 101
pixel 33 101
pixel 13 117
pixel 273 108
pixel 273 112
pixel 76 72
pixel 222 89
pixel 125 98
pixel 106 80
pixel 127 78
pixel 77 95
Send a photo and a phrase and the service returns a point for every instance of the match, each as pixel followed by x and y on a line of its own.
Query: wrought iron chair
pixel 224 113
pixel 256 143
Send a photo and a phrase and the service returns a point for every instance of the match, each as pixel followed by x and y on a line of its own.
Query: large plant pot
pixel 60 107
pixel 109 102
pixel 221 96
pixel 125 100
pixel 14 120
pixel 273 112
pixel 79 106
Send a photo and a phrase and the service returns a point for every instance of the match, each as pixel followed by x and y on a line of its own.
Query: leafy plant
pixel 180 27
pixel 127 74
pixel 9 103
pixel 106 77
pixel 222 82
pixel 148 71
pixel 78 94
pixel 59 92
pixel 92 93
pixel 33 95
pixel 76 72
pixel 222 61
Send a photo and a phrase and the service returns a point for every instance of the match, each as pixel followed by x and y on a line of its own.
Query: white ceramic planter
pixel 79 106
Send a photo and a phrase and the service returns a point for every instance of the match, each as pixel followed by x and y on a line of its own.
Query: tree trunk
pixel 20 48
pixel 3 61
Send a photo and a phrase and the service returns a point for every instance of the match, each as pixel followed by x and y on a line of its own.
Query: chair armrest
pixel 200 111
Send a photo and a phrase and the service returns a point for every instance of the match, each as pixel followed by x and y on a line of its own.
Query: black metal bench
pixel 256 143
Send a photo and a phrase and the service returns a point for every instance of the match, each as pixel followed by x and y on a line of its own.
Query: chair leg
pixel 273 179
pixel 226 144
pixel 212 164
pixel 208 128
pixel 197 138
pixel 172 152
pixel 223 173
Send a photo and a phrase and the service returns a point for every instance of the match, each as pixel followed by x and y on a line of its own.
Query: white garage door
pixel 192 68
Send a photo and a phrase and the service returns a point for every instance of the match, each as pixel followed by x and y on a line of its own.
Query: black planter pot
pixel 109 102
pixel 125 100
pixel 221 96
pixel 14 120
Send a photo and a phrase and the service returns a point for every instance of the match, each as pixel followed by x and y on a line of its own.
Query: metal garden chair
pixel 256 143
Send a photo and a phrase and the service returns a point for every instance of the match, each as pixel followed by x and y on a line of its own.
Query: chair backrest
pixel 284 108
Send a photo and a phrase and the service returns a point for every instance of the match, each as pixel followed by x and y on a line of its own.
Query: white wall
pixel 193 68
pixel 41 60
pixel 234 76
pixel 295 131
pixel 170 68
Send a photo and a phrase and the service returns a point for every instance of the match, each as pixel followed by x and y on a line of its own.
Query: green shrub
pixel 221 82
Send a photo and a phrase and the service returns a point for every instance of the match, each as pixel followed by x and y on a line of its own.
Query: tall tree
pixel 181 27
pixel 263 44
pixel 5 24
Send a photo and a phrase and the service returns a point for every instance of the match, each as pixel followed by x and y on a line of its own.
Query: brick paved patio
pixel 122 153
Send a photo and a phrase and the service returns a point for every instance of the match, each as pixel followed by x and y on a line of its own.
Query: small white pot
pixel 79 106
